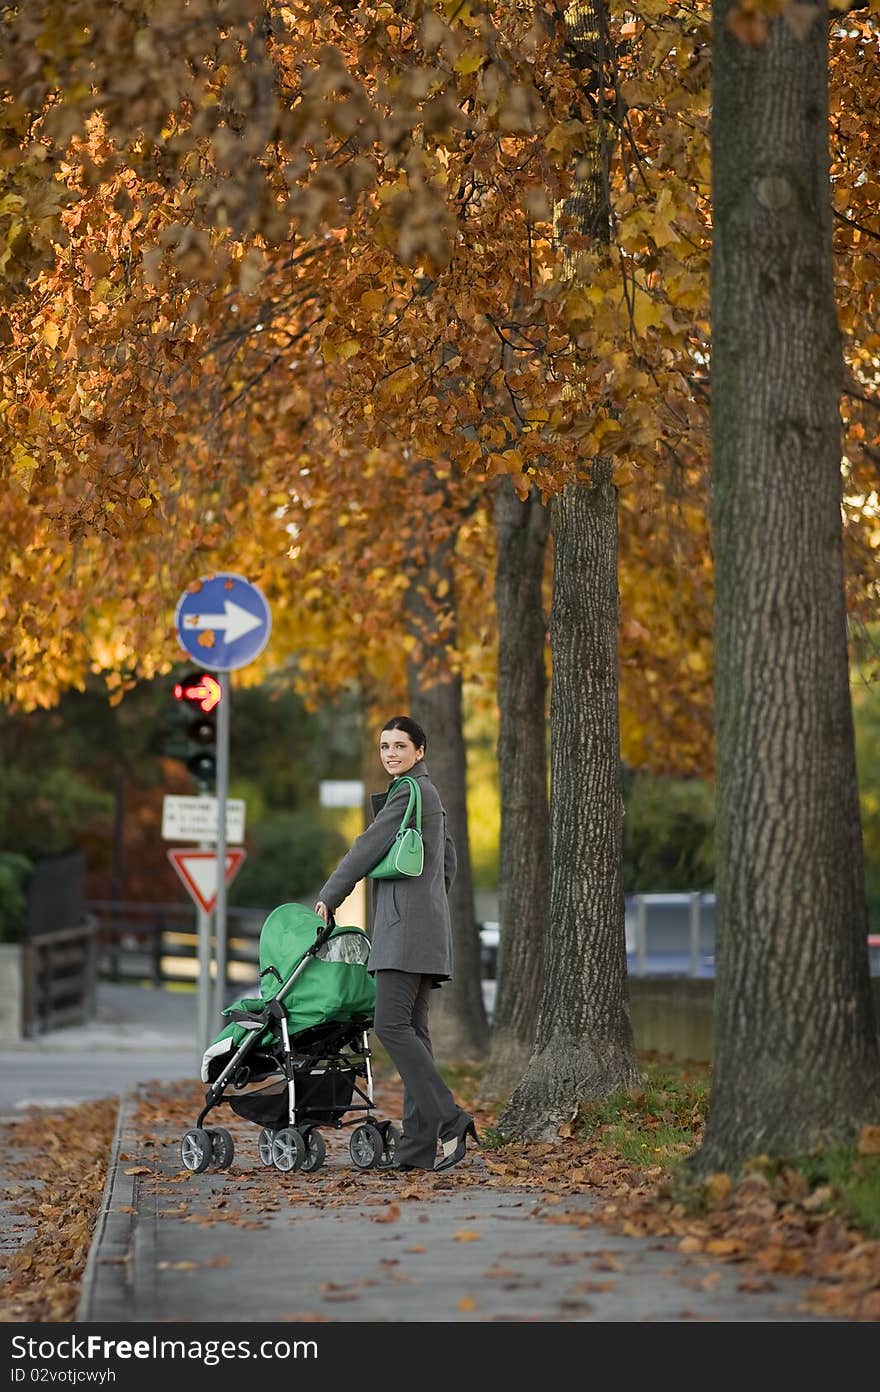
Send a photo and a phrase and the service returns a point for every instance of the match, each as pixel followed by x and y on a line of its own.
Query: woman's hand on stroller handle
pixel 329 924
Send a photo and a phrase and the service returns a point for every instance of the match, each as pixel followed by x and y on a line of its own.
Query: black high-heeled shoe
pixel 458 1142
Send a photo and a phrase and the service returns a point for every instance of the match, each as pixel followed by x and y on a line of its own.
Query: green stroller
pixel 297 1058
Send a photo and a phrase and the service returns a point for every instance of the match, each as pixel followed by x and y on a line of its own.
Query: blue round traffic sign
pixel 223 622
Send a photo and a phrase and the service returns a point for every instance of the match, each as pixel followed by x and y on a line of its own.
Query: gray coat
pixel 412 930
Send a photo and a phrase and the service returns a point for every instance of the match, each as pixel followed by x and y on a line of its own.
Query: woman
pixel 411 949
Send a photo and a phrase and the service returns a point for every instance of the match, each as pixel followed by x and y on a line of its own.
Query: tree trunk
pixel 458 1018
pixel 796 1059
pixel 584 1046
pixel 524 851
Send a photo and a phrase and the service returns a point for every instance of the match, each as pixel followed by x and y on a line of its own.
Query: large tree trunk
pixel 458 1018
pixel 524 852
pixel 796 1059
pixel 584 1047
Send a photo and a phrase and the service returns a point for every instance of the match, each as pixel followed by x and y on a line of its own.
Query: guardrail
pixel 159 942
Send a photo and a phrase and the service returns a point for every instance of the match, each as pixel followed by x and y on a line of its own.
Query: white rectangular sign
pixel 339 792
pixel 195 819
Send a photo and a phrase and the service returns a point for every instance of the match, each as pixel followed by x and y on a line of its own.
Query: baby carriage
pixel 298 1055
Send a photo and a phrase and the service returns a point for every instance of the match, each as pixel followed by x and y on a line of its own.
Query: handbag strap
pixel 415 799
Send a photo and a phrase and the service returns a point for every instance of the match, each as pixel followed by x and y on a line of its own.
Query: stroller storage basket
pixel 322 1097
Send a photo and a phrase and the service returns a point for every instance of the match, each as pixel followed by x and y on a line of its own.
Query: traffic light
pixel 200 693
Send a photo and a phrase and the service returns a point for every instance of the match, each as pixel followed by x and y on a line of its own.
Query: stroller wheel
pixel 316 1150
pixel 196 1150
pixel 288 1149
pixel 390 1137
pixel 222 1147
pixel 264 1145
pixel 366 1146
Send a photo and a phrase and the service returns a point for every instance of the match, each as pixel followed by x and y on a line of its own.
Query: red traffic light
pixel 202 690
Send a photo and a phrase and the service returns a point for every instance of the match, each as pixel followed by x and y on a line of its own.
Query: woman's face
pixel 397 752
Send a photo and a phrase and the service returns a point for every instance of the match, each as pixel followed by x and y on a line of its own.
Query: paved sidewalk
pixel 254 1245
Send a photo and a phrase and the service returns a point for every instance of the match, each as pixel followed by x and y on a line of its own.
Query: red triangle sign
pixel 198 870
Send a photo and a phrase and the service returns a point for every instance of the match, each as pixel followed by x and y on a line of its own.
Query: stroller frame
pixel 342 1048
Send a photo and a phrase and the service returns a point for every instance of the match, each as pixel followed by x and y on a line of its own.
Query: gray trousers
pixel 401 1022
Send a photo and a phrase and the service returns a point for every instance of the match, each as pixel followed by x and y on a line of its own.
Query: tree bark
pixel 459 1029
pixel 796 1059
pixel 584 1047
pixel 524 849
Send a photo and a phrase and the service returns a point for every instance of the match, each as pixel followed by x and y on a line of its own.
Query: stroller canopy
pixel 334 985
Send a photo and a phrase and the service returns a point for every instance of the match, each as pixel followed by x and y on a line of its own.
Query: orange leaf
pixel 391 1215
pixel 723 1246
pixel 869 1140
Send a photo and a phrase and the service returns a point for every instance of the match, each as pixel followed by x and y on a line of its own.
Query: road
pixel 139 1035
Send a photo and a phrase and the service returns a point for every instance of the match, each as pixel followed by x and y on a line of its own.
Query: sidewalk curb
pixel 106 1290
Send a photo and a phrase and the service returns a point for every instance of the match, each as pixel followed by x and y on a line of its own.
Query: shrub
pixel 290 856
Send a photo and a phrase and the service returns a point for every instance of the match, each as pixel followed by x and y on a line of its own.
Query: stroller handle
pixel 325 930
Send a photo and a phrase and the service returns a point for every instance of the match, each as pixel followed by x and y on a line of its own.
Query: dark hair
pixel 409 727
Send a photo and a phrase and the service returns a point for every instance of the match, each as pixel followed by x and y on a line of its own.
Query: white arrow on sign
pixel 235 621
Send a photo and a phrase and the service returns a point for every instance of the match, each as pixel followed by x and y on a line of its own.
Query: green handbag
pixel 406 856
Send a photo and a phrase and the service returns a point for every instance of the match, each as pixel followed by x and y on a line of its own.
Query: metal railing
pixel 159 942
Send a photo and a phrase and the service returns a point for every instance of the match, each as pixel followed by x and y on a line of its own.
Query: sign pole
pixel 223 622
pixel 222 795
pixel 203 920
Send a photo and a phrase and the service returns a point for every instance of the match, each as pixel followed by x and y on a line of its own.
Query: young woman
pixel 411 949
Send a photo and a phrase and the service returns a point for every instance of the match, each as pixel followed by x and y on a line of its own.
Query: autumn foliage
pixel 286 288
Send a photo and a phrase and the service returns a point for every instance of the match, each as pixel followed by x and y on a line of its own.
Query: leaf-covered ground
pixel 816 1219
pixel 53 1171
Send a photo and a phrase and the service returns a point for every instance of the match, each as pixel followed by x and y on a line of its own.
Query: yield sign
pixel 198 870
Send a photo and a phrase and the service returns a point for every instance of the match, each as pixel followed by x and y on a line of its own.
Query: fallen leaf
pixel 869 1140
pixel 690 1244
pixel 718 1186
pixel 391 1215
pixel 781 1259
pixel 330 1290
pixel 756 1283
pixel 139 1169
pixel 467 1235
pixel 723 1246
